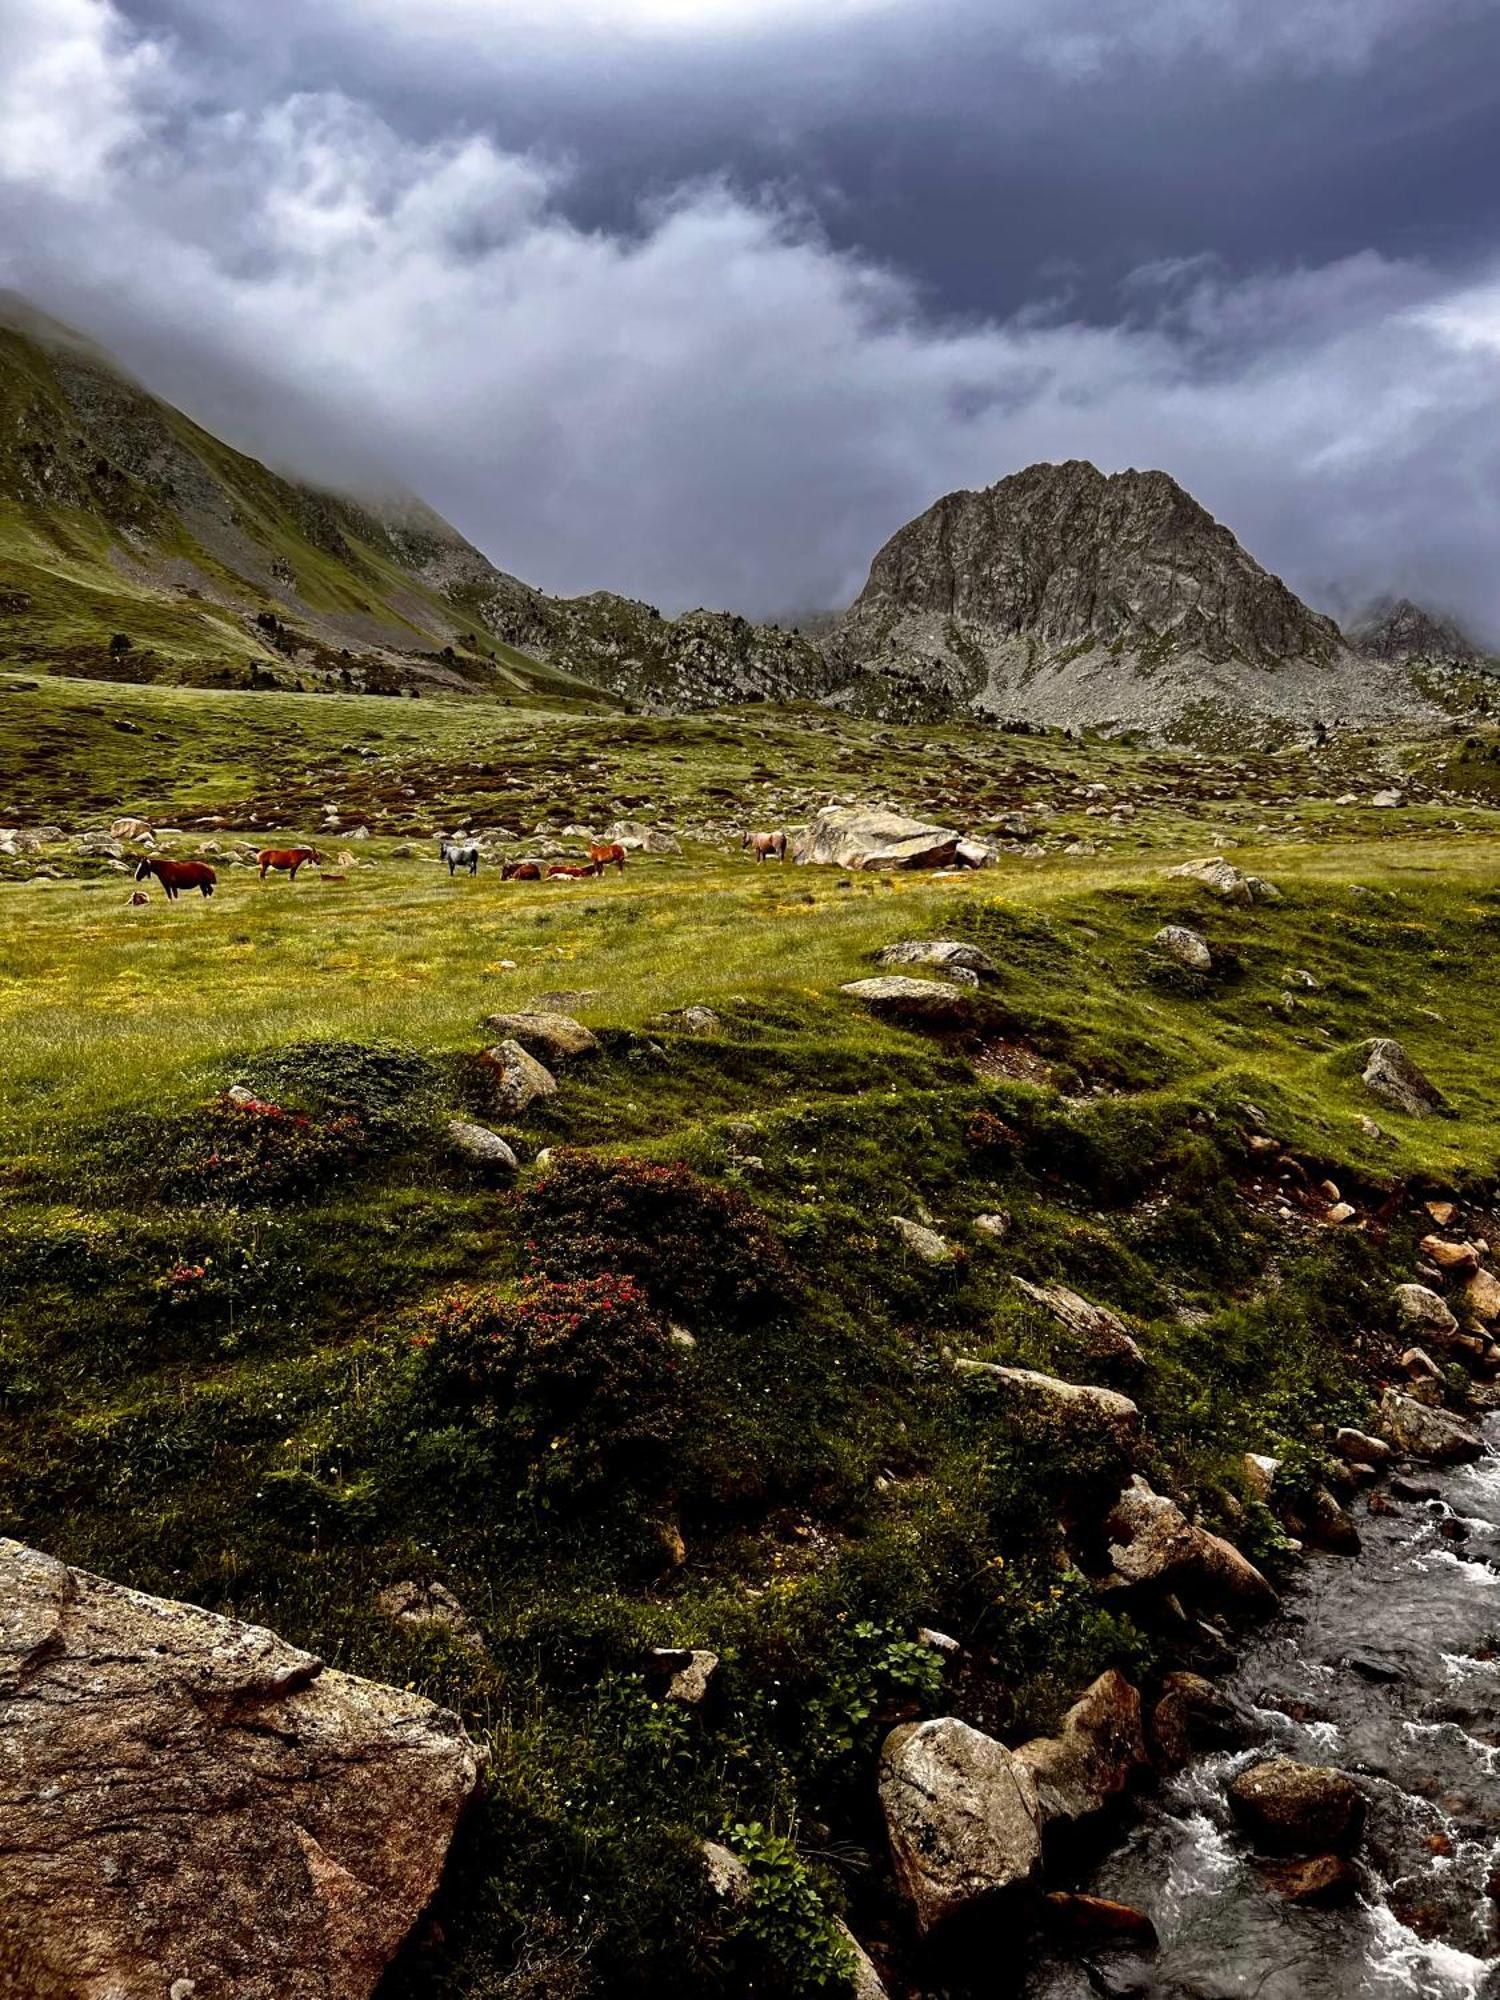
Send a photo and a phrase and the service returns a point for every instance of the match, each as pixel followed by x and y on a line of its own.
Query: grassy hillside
pixel 247 1353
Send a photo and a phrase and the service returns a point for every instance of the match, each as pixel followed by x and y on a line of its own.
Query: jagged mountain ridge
pixel 1397 629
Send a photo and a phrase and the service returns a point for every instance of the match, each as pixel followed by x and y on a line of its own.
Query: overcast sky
pixel 700 299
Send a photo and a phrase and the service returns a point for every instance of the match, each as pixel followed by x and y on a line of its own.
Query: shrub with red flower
pixel 248 1149
pixel 579 1380
pixel 694 1247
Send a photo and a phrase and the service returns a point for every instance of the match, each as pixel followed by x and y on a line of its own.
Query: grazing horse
pixel 606 852
pixel 582 874
pixel 766 846
pixel 175 876
pixel 456 856
pixel 289 858
pixel 520 871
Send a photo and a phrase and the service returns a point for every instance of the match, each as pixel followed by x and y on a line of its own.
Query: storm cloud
pixel 701 302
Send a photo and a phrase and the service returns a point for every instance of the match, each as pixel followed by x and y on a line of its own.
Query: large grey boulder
pixel 192 1806
pixel 917 1002
pixel 1418 1430
pixel 946 953
pixel 866 837
pixel 1094 1755
pixel 1391 1075
pixel 1074 1405
pixel 962 1817
pixel 555 1036
pixel 1153 1545
pixel 519 1079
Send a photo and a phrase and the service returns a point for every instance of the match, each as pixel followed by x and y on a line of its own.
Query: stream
pixel 1376 1663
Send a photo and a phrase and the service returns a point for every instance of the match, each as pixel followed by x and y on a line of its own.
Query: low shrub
pixel 250 1151
pixel 387 1087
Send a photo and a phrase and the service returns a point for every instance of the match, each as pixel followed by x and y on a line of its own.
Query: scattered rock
pixel 1482 1296
pixel 520 1080
pixel 729 1879
pixel 1105 1338
pixel 1192 1715
pixel 285 1824
pixel 1084 1920
pixel 1225 880
pixel 1186 947
pixel 1095 1754
pixel 925 1002
pixel 130 829
pixel 1359 1448
pixel 1392 1076
pixel 1442 1212
pixel 922 1242
pixel 411 1603
pixel 1340 1213
pixel 1459 1258
pixel 1071 1403
pixel 1292 1808
pixel 962 1817
pixel 947 953
pixel 1153 1545
pixel 686 1672
pixel 480 1146
pixel 1435 1436
pixel 695 1020
pixel 857 837
pixel 1423 1312
pixel 556 1036
pixel 1316 1883
pixel 996 1226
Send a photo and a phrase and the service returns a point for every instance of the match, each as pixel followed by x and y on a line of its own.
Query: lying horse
pixel 606 851
pixel 288 858
pixel 175 876
pixel 520 871
pixel 589 868
pixel 766 846
pixel 456 856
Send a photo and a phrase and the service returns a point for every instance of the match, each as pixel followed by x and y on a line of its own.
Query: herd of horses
pixel 175 876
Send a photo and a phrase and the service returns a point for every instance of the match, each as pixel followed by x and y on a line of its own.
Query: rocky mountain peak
pixel 1396 629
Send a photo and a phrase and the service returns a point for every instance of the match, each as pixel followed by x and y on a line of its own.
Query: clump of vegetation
pixel 255 1150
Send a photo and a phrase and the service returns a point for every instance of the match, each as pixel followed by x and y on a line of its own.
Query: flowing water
pixel 1379 1663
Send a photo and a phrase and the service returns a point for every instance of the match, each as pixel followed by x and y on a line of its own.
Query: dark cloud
pixel 706 317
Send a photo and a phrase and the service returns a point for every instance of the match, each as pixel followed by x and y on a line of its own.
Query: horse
pixel 764 846
pixel 520 871
pixel 605 852
pixel 466 856
pixel 581 874
pixel 288 858
pixel 175 876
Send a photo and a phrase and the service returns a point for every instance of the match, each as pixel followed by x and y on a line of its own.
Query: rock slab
pixel 194 1806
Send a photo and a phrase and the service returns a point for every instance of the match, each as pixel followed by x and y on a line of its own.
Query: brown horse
pixel 582 874
pixel 175 876
pixel 520 871
pixel 766 846
pixel 288 858
pixel 605 852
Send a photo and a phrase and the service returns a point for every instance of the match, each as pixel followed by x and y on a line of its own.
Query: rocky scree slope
pixel 1066 596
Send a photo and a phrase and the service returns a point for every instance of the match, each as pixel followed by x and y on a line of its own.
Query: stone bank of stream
pixel 1387 1664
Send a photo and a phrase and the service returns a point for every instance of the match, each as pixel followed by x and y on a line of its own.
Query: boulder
pixel 1223 879
pixel 1186 947
pixel 1190 1715
pixel 1094 1755
pixel 412 1603
pixel 862 837
pixel 1458 1258
pixel 729 1880
pixel 961 1815
pixel 1424 1313
pixel 972 853
pixel 1359 1448
pixel 996 1226
pixel 694 1020
pixel 1392 1076
pixel 914 1002
pixel 481 1147
pixel 129 828
pixel 1292 1808
pixel 683 1673
pixel 1317 1883
pixel 922 1242
pixel 555 1036
pixel 1070 1403
pixel 192 1805
pixel 637 838
pixel 1482 1296
pixel 1154 1546
pixel 1104 1336
pixel 519 1078
pixel 1436 1437
pixel 947 953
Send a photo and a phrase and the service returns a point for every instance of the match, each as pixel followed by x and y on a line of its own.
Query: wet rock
pixel 1359 1448
pixel 1106 1340
pixel 1186 947
pixel 922 1242
pixel 1190 1715
pixel 913 1002
pixel 1085 1920
pixel 1071 1404
pixel 192 1805
pixel 1391 1075
pixel 1415 1489
pixel 1435 1436
pixel 1153 1545
pixel 1292 1808
pixel 1317 1883
pixel 946 953
pixel 961 1815
pixel 520 1080
pixel 1424 1313
pixel 481 1147
pixel 858 837
pixel 1094 1756
pixel 555 1036
pixel 1329 1527
pixel 1377 1668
